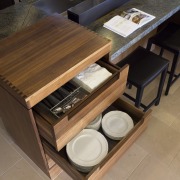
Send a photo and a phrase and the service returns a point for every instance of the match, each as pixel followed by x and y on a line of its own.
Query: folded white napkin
pixel 92 77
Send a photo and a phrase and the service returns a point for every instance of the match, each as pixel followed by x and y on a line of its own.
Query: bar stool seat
pixel 168 39
pixel 144 67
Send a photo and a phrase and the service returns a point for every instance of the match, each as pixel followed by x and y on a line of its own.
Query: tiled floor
pixel 154 156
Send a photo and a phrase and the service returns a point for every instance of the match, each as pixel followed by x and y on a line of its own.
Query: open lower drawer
pixel 59 131
pixel 116 147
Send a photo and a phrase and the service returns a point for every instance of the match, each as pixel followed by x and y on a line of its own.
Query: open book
pixel 128 21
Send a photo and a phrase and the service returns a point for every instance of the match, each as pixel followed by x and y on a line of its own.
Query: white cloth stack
pixel 92 77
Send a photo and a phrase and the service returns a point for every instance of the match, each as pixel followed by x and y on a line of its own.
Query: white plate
pixel 87 149
pixel 96 123
pixel 116 124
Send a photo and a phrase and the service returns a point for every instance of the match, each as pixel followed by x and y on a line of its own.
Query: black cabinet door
pixel 6 3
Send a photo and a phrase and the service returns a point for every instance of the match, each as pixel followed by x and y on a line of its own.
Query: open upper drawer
pixel 116 147
pixel 41 58
pixel 59 131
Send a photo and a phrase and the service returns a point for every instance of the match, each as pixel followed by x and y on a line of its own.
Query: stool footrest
pixel 175 75
pixel 145 107
pixel 175 78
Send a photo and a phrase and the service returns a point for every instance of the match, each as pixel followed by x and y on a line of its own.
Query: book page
pixel 121 26
pixel 137 16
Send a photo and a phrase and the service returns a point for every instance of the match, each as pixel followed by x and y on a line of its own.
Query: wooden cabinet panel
pixel 21 125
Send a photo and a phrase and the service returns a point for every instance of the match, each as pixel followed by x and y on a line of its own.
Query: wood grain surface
pixel 43 57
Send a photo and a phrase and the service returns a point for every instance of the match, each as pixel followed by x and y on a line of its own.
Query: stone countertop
pixel 161 9
pixel 17 17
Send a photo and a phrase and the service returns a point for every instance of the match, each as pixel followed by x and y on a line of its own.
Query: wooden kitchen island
pixel 34 63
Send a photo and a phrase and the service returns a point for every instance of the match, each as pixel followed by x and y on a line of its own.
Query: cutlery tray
pixel 64 98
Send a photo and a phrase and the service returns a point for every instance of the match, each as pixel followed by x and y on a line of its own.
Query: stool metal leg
pixel 161 52
pixel 161 84
pixel 149 44
pixel 172 73
pixel 129 86
pixel 139 97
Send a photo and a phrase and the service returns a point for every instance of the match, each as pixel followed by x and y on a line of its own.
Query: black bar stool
pixel 144 67
pixel 168 39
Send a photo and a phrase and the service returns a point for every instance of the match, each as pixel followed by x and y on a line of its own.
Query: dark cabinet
pixel 6 3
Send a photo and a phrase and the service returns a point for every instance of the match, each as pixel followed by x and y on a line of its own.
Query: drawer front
pixel 116 148
pixel 58 132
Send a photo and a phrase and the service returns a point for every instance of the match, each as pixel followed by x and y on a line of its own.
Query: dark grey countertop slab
pixel 17 17
pixel 161 9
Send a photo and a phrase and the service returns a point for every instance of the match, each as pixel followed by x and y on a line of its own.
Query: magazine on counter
pixel 128 21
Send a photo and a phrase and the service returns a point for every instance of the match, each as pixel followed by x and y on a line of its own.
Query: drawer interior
pixel 59 131
pixel 116 147
pixel 59 99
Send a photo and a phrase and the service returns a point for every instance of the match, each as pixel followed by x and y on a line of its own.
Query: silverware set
pixel 64 98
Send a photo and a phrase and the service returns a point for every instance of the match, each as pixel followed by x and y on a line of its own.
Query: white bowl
pixel 116 124
pixel 87 149
pixel 96 123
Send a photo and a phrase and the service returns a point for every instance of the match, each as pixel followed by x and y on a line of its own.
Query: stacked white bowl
pixel 96 123
pixel 116 124
pixel 90 147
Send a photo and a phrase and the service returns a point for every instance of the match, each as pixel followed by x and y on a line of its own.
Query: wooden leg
pixel 161 84
pixel 139 97
pixel 172 73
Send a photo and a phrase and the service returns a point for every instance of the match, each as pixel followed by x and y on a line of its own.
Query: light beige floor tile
pixel 4 133
pixel 175 88
pixel 175 164
pixel 152 169
pixel 127 163
pixel 8 156
pixel 174 99
pixel 21 171
pixel 176 124
pixel 164 116
pixel 170 103
pixel 161 131
pixel 112 175
pixel 160 140
pixel 19 151
pixel 63 176
pixel 30 162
